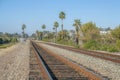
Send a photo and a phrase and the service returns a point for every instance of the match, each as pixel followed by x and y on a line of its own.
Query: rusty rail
pixel 44 74
pixel 51 60
pixel 102 55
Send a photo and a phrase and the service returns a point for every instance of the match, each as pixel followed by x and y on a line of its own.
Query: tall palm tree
pixel 56 24
pixel 53 28
pixel 37 34
pixel 62 17
pixel 43 27
pixel 23 27
pixel 77 25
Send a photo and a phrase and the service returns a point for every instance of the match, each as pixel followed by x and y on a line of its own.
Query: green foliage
pixel 112 49
pixel 108 47
pixel 77 24
pixel 91 45
pixel 90 31
pixel 1 40
pixel 62 15
pixel 14 40
pixel 37 34
pixel 23 32
pixel 118 44
pixel 94 45
pixel 5 45
pixel 104 47
pixel 6 42
pixel 56 24
pixel 43 26
pixel 116 32
pixel 23 26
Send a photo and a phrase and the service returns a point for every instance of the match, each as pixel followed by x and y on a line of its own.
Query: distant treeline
pixel 8 40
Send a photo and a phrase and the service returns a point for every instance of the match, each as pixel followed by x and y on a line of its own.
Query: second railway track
pixel 58 68
pixel 102 55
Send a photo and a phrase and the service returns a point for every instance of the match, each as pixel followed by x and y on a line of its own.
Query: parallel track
pixel 61 69
pixel 102 55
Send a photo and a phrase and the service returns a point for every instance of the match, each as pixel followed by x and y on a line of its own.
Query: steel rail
pixel 89 74
pixel 45 73
pixel 105 56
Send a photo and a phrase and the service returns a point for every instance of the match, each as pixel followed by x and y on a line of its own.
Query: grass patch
pixel 5 45
pixel 94 45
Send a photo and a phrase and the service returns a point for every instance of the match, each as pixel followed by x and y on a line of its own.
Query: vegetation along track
pixel 102 55
pixel 59 68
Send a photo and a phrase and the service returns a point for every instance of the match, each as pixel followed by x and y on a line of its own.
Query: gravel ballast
pixel 14 62
pixel 102 67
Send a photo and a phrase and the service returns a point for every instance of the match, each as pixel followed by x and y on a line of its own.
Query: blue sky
pixel 34 13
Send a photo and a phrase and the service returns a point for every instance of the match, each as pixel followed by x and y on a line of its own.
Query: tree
pixel 116 33
pixel 1 40
pixel 23 27
pixel 72 34
pixel 33 35
pixel 7 34
pixel 54 36
pixel 90 31
pixel 53 28
pixel 62 16
pixel 56 26
pixel 77 25
pixel 43 27
pixel 66 34
pixel 37 34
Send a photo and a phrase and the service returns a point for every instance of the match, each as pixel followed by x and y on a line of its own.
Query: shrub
pixel 104 47
pixel 1 40
pixel 13 40
pixel 6 40
pixel 118 44
pixel 91 45
pixel 112 49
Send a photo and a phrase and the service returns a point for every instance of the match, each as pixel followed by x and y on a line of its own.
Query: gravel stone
pixel 14 62
pixel 102 67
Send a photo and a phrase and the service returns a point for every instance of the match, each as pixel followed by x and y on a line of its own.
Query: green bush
pixel 13 40
pixel 1 40
pixel 6 40
pixel 112 49
pixel 104 47
pixel 94 45
pixel 118 44
pixel 91 45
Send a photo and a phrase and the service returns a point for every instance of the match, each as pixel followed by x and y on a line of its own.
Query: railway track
pixel 58 68
pixel 37 69
pixel 102 55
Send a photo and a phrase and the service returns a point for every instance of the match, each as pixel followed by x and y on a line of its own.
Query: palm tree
pixel 37 34
pixel 23 27
pixel 56 24
pixel 43 27
pixel 62 16
pixel 53 28
pixel 77 25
